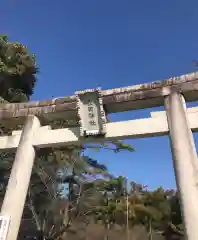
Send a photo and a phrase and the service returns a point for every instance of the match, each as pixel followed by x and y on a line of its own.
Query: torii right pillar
pixel 185 161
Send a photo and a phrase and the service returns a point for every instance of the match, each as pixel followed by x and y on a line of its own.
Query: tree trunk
pixel 150 236
pixel 107 227
pixel 67 213
pixel 40 235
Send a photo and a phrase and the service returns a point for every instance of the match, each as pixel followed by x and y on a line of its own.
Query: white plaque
pixel 91 113
pixel 4 225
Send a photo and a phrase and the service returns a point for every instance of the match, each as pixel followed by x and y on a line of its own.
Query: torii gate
pixel 91 107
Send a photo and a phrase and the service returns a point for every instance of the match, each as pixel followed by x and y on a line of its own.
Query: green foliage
pixel 17 71
pixel 106 201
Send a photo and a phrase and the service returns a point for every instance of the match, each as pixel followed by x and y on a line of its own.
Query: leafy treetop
pixel 17 71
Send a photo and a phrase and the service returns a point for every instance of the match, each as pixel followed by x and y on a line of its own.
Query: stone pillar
pixel 18 184
pixel 184 157
pixel 195 162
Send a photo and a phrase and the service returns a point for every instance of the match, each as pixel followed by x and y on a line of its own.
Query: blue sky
pixel 83 44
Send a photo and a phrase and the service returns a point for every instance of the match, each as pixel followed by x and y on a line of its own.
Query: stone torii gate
pixel 91 108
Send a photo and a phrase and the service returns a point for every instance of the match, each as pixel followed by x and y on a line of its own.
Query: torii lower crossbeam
pixel 156 125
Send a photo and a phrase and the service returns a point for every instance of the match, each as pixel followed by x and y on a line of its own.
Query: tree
pixel 52 209
pixel 17 71
pixel 157 209
pixel 46 200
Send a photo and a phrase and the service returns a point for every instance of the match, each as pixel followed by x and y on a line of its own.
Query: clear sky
pixel 109 43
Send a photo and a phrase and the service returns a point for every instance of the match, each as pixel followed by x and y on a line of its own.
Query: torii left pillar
pixel 18 184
